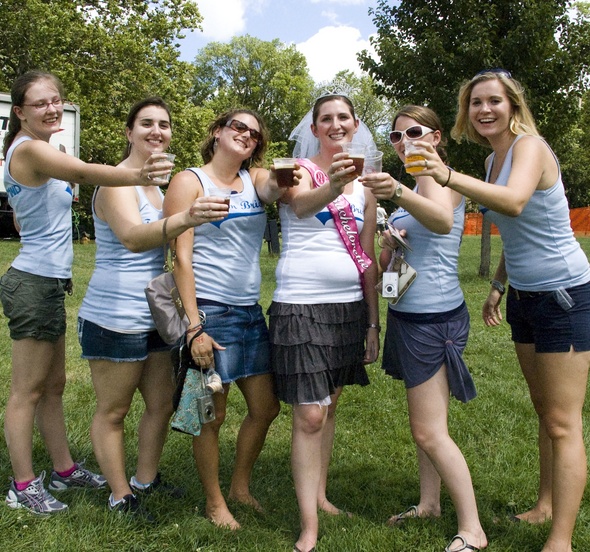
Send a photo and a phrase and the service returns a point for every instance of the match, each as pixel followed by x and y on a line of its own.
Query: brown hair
pixel 426 117
pixel 134 111
pixel 209 145
pixel 521 121
pixel 17 95
pixel 330 97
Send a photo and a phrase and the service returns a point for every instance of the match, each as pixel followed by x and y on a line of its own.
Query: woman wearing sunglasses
pixel 37 176
pixel 427 328
pixel 548 301
pixel 220 261
pixel 324 319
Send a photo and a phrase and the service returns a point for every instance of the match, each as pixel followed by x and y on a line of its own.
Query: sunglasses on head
pixel 413 133
pixel 240 127
pixel 497 71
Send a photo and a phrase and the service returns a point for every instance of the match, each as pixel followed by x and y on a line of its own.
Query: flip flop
pixel 464 545
pixel 396 521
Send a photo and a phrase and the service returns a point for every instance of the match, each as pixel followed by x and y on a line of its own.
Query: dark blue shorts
pixel 99 343
pixel 545 320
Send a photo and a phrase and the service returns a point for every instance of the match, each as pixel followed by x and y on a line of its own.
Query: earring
pixel 215 143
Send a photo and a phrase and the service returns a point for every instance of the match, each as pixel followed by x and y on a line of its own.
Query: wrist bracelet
pixel 375 326
pixel 448 179
pixel 194 328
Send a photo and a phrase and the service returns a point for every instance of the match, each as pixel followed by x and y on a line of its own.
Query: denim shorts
pixel 34 305
pixel 244 334
pixel 98 343
pixel 540 318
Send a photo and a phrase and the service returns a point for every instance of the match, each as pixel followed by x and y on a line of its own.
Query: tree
pixel 426 48
pixel 109 54
pixel 269 77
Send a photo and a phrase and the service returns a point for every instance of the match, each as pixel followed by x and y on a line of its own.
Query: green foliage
pixel 269 77
pixel 427 48
pixel 109 54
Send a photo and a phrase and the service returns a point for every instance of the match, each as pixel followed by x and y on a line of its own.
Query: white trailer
pixel 67 139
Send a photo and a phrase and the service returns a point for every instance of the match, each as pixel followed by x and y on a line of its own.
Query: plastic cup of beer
pixel 284 167
pixel 223 193
pixel 169 157
pixel 357 153
pixel 373 162
pixel 411 157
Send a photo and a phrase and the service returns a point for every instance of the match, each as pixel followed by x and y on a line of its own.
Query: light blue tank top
pixel 541 251
pixel 226 254
pixel 435 258
pixel 44 216
pixel 115 297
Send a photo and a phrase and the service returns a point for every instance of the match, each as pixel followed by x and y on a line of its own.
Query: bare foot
pixel 221 517
pixel 536 516
pixel 246 499
pixel 329 508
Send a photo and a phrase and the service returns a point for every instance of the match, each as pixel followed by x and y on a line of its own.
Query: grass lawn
pixel 373 471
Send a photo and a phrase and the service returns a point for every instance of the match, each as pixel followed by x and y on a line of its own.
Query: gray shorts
pixel 34 305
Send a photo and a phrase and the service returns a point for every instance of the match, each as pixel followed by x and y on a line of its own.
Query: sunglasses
pixel 496 71
pixel 413 133
pixel 240 127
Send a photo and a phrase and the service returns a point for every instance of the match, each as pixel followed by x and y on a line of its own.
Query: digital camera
pixel 205 406
pixel 389 286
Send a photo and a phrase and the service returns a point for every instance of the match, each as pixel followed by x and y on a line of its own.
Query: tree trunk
pixel 486 248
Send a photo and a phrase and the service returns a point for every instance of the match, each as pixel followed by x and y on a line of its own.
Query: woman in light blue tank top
pixel 548 301
pixel 427 328
pixel 116 330
pixel 217 271
pixel 37 176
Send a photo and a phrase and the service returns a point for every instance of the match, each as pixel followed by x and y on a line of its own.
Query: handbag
pixel 164 300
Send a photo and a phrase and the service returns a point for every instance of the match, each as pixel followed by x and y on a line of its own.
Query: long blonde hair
pixel 521 121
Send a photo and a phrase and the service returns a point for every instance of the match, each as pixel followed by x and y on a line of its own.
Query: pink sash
pixel 343 218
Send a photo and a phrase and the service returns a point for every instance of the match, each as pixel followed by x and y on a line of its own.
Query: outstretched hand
pixel 155 169
pixel 432 165
pixel 341 172
pixel 208 209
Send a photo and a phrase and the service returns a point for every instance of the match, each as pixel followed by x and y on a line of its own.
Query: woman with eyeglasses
pixel 324 318
pixel 548 301
pixel 37 176
pixel 427 329
pixel 217 271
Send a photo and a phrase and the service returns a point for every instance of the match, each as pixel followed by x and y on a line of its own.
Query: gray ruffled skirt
pixel 316 349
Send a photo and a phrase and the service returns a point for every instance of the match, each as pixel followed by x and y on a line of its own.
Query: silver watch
pixel 398 191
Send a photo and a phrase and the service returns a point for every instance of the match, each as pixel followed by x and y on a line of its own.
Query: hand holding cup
pixel 284 169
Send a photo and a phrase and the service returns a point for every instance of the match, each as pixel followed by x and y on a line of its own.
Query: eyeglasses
pixel 413 133
pixel 44 106
pixel 240 127
pixel 496 71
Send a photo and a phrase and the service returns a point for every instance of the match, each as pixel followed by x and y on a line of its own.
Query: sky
pixel 329 33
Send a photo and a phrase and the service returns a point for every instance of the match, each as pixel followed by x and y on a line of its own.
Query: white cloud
pixel 333 49
pixel 222 20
